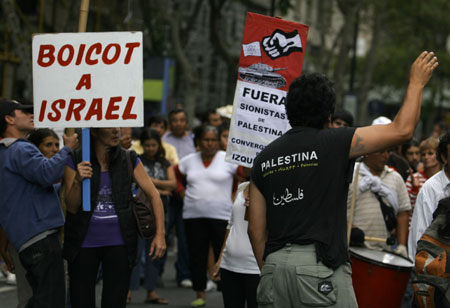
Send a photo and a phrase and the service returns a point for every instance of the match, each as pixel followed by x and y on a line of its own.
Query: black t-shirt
pixel 304 177
pixel 156 169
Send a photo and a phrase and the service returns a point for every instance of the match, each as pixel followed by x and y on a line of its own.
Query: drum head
pixel 382 258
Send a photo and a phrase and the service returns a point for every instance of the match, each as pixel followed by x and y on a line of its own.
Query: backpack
pixel 432 287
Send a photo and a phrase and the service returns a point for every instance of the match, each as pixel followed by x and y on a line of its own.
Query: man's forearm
pixel 258 244
pixel 402 227
pixel 257 223
pixel 409 114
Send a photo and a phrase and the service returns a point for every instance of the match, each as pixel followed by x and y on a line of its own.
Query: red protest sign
pixel 272 51
pixel 271 58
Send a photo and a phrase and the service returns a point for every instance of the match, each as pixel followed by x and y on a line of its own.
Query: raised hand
pixel 422 68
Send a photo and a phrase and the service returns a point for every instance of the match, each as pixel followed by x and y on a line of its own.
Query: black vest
pixel 77 224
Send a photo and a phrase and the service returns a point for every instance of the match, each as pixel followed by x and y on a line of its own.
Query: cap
pixel 225 111
pixel 381 121
pixel 7 106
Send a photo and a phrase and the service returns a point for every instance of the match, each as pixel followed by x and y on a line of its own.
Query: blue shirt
pixel 29 204
pixel 184 145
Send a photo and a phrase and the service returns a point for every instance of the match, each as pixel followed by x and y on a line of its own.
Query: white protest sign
pixel 88 79
pixel 259 117
pixel 271 58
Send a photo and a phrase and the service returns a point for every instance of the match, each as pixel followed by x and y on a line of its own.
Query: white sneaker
pixel 186 283
pixel 211 286
pixel 11 279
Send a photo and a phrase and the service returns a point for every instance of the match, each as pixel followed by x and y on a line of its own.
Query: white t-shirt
pixel 238 254
pixel 436 188
pixel 208 190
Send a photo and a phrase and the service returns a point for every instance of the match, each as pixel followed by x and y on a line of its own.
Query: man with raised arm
pixel 30 213
pixel 298 192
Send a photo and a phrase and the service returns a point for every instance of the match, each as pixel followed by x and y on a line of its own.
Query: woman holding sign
pixel 107 234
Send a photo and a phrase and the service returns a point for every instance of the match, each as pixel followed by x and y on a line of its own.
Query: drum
pixel 379 278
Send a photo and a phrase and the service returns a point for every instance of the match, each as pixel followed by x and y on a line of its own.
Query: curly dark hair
pixel 444 140
pixel 310 101
pixel 37 136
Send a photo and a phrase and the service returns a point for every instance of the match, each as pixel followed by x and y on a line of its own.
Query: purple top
pixel 104 227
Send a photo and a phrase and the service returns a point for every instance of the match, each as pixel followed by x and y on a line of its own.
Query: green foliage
pixel 411 27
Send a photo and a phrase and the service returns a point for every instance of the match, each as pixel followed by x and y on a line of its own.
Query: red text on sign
pixel 85 81
pixel 76 107
pixel 68 54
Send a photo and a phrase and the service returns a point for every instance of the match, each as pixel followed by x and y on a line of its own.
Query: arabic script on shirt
pixel 287 197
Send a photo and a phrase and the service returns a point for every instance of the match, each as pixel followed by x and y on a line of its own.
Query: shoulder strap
pixel 389 216
pixel 130 167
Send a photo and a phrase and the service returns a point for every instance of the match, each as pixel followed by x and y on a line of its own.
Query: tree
pixel 410 28
pixel 396 38
pixel 222 46
pixel 180 31
pixel 21 44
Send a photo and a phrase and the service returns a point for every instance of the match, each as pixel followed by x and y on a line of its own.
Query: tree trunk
pixel 222 47
pixel 349 9
pixel 190 75
pixel 21 46
pixel 366 83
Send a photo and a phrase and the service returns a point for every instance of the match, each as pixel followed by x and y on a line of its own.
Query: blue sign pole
pixel 86 156
pixel 164 102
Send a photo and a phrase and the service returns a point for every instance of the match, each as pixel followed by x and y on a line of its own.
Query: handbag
pixel 141 207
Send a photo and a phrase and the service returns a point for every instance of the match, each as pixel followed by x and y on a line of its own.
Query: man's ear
pixel 10 119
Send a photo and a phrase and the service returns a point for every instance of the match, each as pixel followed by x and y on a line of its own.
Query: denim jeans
pixel 174 214
pixel 44 265
pixel 150 267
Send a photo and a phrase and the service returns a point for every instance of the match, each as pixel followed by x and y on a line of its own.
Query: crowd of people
pixel 236 229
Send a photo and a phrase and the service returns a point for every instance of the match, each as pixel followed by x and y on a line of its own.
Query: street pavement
pixel 177 297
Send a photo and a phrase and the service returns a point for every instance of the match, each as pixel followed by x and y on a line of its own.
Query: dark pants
pixel 200 233
pixel 44 265
pixel 161 262
pixel 116 277
pixel 238 288
pixel 150 267
pixel 174 215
